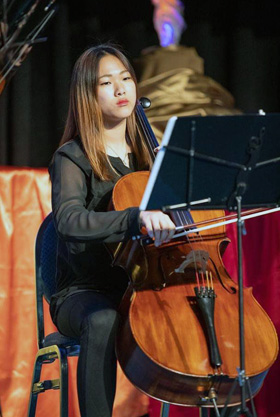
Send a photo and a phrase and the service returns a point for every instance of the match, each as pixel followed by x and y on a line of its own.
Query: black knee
pixel 101 325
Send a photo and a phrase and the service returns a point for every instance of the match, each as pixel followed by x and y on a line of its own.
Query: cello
pixel 179 338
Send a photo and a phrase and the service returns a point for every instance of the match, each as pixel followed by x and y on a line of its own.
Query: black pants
pixel 92 317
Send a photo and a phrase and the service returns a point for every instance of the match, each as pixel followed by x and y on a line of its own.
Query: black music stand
pixel 219 162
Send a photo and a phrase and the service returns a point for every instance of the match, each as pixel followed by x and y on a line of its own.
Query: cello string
pixel 179 216
pixel 203 281
pixel 182 216
pixel 189 219
pixel 147 133
pixel 149 147
pixel 152 142
pixel 208 280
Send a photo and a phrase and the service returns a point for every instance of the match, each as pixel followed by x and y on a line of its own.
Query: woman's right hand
pixel 158 225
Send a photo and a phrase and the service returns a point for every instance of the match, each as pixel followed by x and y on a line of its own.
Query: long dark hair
pixel 84 114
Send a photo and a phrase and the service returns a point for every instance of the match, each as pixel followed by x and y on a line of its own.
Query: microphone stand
pixel 241 379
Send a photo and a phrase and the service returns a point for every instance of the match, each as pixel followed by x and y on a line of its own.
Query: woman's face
pixel 116 90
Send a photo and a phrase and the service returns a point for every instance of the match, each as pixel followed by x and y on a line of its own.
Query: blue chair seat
pixel 60 340
pixel 54 346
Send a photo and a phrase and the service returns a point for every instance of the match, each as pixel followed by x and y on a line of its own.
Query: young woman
pixel 100 144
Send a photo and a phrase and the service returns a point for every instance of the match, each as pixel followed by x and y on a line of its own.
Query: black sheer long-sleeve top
pixel 83 224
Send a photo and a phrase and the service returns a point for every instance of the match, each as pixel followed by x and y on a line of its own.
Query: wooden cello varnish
pixel 162 346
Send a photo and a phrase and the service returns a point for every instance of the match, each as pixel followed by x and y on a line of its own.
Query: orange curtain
pixel 24 202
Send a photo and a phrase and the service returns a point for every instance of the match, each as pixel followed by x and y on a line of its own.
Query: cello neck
pixel 148 134
pixel 181 217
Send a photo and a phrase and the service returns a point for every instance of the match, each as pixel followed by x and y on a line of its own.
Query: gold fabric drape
pixel 172 78
pixel 24 203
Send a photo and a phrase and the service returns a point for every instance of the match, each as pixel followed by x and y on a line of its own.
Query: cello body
pixel 163 346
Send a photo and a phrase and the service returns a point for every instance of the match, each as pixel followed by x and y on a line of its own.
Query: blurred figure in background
pixel 172 76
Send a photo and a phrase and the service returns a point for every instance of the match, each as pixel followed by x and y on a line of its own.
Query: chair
pixel 55 345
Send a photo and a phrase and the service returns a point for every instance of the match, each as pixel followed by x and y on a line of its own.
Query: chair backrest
pixel 45 258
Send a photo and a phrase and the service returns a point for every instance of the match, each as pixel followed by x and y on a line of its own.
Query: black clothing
pixel 92 318
pixel 80 202
pixel 89 289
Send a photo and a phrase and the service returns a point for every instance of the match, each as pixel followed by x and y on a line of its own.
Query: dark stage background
pixel 239 41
